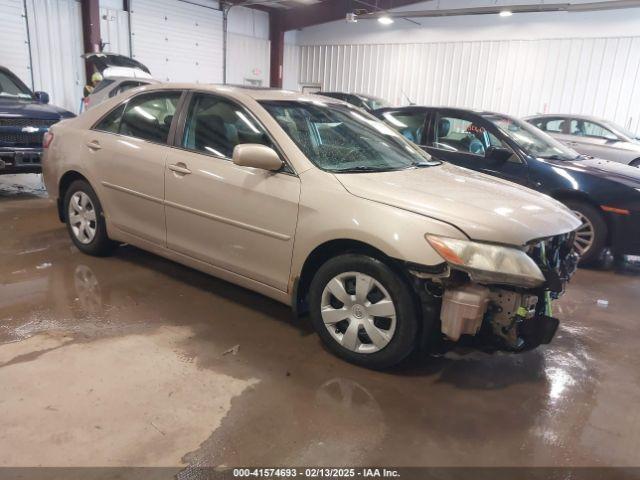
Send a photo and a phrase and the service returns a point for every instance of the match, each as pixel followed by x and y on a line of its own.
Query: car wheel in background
pixel 85 220
pixel 591 237
pixel 364 311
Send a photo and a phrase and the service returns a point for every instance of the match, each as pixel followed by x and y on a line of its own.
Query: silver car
pixel 592 136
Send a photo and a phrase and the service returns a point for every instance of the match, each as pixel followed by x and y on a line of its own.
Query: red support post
pixel 91 29
pixel 276 36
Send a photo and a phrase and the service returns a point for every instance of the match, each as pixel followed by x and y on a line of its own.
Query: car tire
pixel 591 237
pixel 85 220
pixel 359 287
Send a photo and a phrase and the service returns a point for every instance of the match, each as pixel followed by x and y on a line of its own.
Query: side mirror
pixel 256 156
pixel 41 97
pixel 498 154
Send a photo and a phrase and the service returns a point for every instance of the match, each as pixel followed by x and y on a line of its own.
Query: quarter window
pixel 215 126
pixel 149 116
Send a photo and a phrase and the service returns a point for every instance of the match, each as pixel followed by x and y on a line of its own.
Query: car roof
pixel 256 93
pixel 567 115
pixel 450 109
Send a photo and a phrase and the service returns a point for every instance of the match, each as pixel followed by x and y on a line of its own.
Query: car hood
pixel 29 109
pixel 483 207
pixel 605 169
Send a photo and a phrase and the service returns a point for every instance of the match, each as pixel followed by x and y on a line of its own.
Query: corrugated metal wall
pixel 247 60
pixel 595 76
pixel 178 41
pixel 14 41
pixel 114 30
pixel 291 67
pixel 55 31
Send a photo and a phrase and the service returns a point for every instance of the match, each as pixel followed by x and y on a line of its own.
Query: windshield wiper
pixel 363 168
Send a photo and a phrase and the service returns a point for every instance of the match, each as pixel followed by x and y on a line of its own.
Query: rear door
pixel 464 139
pixel 596 140
pixel 126 151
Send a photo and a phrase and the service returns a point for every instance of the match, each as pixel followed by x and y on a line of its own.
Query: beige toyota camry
pixel 318 205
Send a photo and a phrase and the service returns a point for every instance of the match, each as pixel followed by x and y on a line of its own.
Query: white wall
pixel 545 62
pixel 248 46
pixel 114 30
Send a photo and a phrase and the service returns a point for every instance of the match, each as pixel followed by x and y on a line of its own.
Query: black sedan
pixel 605 195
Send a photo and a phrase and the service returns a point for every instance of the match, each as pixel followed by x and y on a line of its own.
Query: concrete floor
pixel 134 360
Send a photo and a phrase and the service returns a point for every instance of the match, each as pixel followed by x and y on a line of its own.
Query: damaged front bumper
pixel 499 316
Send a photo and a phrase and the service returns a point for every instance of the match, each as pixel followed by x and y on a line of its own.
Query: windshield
pixel 626 132
pixel 531 139
pixel 11 87
pixel 374 103
pixel 341 138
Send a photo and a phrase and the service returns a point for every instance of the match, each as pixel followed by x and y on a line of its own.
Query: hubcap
pixel 584 235
pixel 358 312
pixel 82 217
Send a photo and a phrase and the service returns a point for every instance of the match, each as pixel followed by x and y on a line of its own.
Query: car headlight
pixel 486 263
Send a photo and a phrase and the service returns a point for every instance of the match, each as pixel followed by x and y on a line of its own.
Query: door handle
pixel 179 168
pixel 94 145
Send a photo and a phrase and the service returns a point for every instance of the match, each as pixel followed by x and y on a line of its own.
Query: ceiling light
pixel 385 20
pixel 505 13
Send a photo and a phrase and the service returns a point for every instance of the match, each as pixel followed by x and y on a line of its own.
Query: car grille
pixel 11 136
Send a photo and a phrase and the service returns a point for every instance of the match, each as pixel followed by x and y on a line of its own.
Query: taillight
pixel 47 139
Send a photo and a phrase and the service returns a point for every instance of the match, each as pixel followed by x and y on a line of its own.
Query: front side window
pixel 584 128
pixel 409 124
pixel 462 135
pixel 149 116
pixel 215 126
pixel 340 138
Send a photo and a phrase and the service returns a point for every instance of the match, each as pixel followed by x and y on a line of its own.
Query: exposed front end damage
pixel 513 313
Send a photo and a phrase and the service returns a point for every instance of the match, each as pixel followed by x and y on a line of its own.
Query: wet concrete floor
pixel 134 360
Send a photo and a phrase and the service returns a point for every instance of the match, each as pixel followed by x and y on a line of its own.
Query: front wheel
pixel 364 311
pixel 591 236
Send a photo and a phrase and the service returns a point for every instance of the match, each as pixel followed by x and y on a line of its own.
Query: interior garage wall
pixel 55 33
pixel 114 30
pixel 178 41
pixel 248 47
pixel 46 54
pixel 583 63
pixel 14 40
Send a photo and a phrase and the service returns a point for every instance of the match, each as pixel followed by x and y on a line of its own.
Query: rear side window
pixel 409 124
pixel 111 123
pixel 149 116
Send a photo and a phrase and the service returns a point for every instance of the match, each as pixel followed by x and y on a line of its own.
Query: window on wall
pixel 409 124
pixel 215 126
pixel 584 128
pixel 149 116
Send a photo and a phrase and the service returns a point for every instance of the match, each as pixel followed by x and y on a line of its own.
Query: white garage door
pixel 14 41
pixel 178 41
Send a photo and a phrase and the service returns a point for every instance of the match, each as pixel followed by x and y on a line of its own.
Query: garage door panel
pixel 178 41
pixel 14 41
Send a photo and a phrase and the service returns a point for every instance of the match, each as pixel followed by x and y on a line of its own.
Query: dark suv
pixel 24 118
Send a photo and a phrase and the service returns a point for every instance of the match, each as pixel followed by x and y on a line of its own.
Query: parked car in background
pixel 366 102
pixel 24 118
pixel 119 74
pixel 319 205
pixel 592 136
pixel 604 194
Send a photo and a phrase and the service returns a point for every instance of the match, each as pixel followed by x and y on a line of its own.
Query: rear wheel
pixel 85 220
pixel 363 311
pixel 591 236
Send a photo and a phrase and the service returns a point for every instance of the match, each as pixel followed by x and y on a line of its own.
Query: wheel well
pixel 67 179
pixel 582 197
pixel 324 252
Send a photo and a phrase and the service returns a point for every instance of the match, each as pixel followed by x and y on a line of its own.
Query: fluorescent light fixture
pixel 505 13
pixel 385 20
